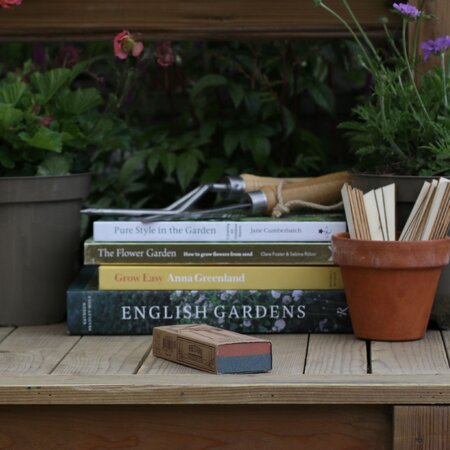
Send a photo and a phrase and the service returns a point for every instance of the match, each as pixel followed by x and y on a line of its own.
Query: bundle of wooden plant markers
pixel 371 216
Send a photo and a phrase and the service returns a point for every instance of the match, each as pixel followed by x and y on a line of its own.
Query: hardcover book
pixel 216 253
pixel 256 229
pixel 91 311
pixel 212 349
pixel 219 277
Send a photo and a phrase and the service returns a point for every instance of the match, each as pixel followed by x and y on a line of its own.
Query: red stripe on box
pixel 244 349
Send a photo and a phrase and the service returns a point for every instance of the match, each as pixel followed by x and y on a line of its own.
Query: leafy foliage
pixel 225 109
pixel 49 126
pixel 403 126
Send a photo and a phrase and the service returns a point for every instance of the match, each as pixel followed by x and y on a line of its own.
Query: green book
pixel 207 253
pixel 91 311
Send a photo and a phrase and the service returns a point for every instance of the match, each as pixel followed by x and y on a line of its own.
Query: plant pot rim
pixel 393 175
pixel 47 177
pixel 390 254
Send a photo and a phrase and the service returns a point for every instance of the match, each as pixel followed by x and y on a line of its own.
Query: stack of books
pixel 251 275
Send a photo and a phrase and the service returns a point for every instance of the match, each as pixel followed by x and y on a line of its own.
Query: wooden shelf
pixel 367 389
pixel 180 19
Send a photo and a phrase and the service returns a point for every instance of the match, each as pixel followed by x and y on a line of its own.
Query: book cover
pixel 212 349
pixel 256 229
pixel 91 311
pixel 255 253
pixel 219 277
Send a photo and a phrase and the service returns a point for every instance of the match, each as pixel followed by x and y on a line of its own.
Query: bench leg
pixel 421 428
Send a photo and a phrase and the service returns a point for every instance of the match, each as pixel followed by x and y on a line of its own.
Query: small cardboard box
pixel 212 349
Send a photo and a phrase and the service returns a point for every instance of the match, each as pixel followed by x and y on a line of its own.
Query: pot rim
pixel 390 254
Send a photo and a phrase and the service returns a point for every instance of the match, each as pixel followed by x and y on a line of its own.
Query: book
pixel 92 311
pixel 219 277
pixel 315 228
pixel 212 349
pixel 254 253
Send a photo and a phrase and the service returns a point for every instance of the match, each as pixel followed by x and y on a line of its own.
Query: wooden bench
pixel 324 392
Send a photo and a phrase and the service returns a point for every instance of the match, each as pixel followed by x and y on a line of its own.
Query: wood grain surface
pixel 181 19
pixel 196 428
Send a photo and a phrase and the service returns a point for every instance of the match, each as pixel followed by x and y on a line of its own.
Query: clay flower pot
pixel 390 285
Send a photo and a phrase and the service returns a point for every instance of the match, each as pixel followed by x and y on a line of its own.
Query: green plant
pixel 48 124
pixel 403 127
pixel 224 108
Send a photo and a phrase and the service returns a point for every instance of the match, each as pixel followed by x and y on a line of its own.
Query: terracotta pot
pixel 390 285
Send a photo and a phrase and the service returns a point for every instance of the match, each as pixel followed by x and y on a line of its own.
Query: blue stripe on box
pixel 244 364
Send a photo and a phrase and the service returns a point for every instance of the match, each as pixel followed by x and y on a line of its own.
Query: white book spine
pixel 216 231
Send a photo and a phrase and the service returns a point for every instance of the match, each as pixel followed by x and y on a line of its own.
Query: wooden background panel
pixel 421 427
pixel 180 19
pixel 196 427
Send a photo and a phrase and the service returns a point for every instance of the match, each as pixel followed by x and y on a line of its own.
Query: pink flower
pixel 46 121
pixel 125 43
pixel 165 55
pixel 9 3
pixel 69 55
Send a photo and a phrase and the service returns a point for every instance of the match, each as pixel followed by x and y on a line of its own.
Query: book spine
pixel 303 253
pixel 219 277
pixel 90 311
pixel 213 231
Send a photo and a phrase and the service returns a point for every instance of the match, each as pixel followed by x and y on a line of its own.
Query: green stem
pixel 444 79
pixel 391 41
pixel 410 72
pixel 350 29
pixel 363 33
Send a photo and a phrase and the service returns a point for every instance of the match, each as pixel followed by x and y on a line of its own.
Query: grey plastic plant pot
pixel 39 242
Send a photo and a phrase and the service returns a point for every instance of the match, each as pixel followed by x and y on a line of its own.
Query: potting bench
pixel 324 392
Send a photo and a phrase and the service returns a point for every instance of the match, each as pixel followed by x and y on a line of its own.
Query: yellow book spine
pixel 218 277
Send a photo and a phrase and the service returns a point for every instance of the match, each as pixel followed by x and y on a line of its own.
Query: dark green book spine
pixel 301 253
pixel 90 311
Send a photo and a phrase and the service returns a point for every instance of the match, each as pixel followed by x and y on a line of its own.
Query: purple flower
pixel 439 45
pixel 407 11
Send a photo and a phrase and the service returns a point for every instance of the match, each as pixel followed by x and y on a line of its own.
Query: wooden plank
pixel 226 389
pixel 421 427
pixel 446 338
pixel 180 19
pixel 336 354
pixel 34 350
pixel 196 427
pixel 288 352
pixel 5 331
pixel 101 355
pixel 425 356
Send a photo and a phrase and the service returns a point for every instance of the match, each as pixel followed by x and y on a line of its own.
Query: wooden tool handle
pixel 255 183
pixel 323 190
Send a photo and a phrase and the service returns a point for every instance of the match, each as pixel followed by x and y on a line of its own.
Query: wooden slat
pixel 5 331
pixel 226 389
pixel 102 355
pixel 288 352
pixel 336 354
pixel 446 337
pixel 421 427
pixel 180 19
pixel 425 356
pixel 196 427
pixel 34 350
